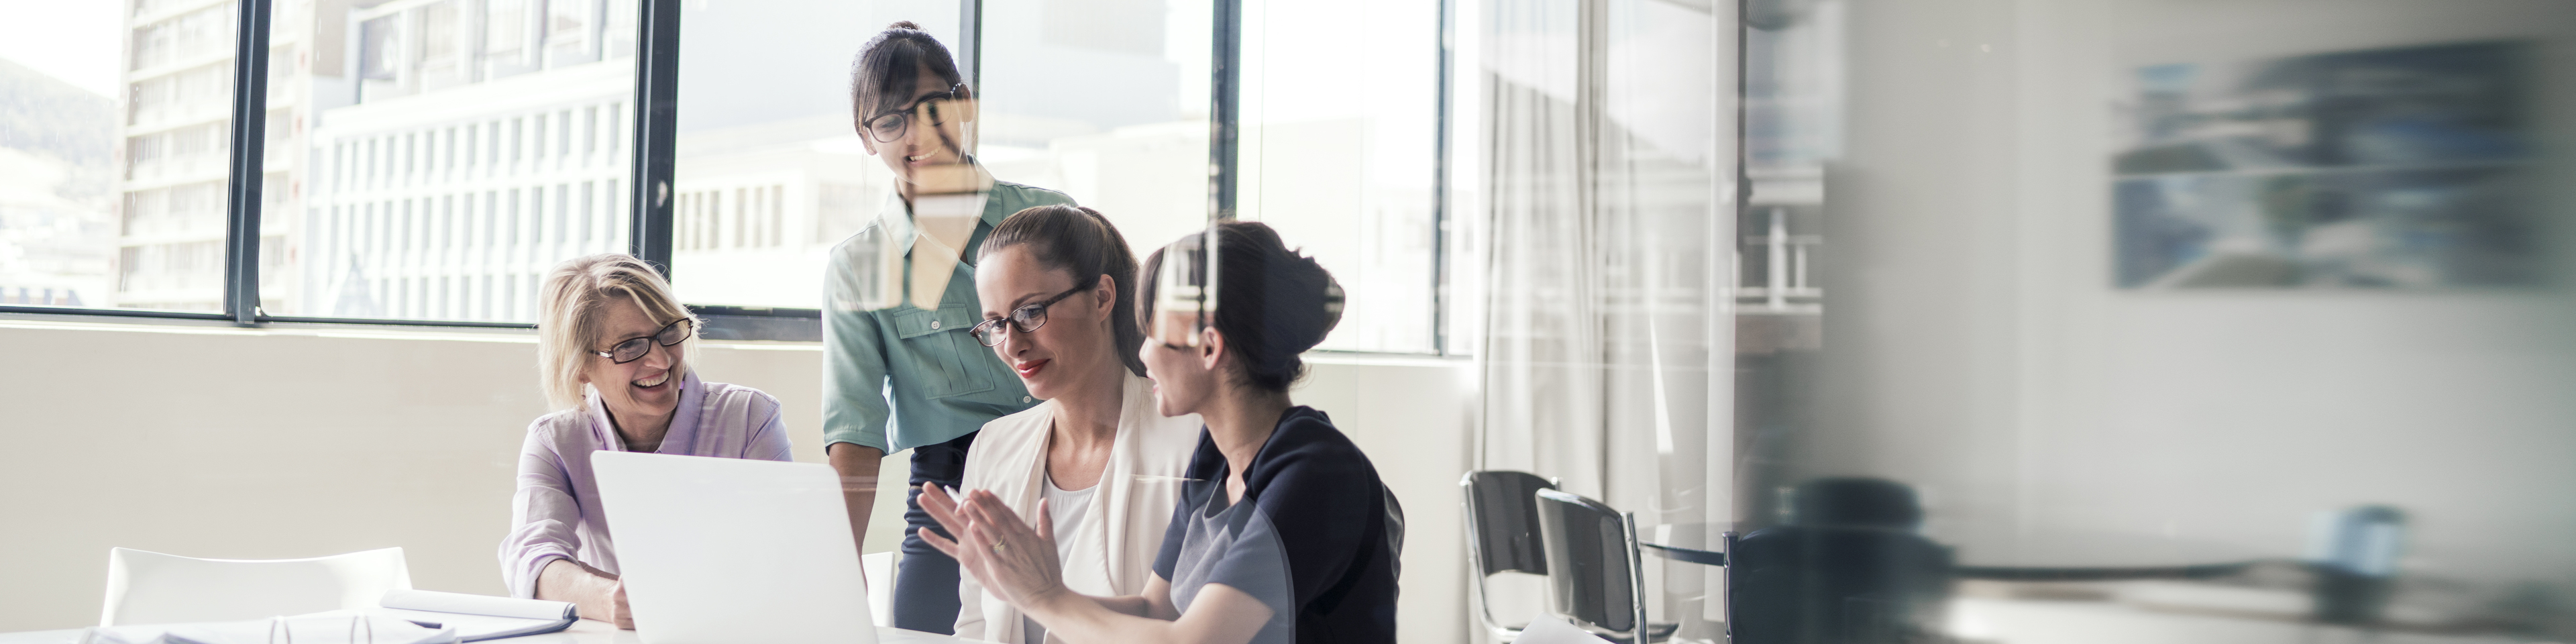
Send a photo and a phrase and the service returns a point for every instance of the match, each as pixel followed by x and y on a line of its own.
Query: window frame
pixel 651 200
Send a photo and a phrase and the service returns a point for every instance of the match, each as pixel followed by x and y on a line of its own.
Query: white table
pixel 582 632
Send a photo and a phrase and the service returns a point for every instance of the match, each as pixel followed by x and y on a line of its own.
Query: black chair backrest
pixel 1847 569
pixel 1394 529
pixel 1502 509
pixel 1586 547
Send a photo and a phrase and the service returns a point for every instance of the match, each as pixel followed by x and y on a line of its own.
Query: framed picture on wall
pixel 2400 168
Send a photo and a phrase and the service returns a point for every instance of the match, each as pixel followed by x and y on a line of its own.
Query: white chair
pixel 154 588
pixel 879 569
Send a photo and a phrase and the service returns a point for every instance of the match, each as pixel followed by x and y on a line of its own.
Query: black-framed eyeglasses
pixel 633 348
pixel 890 126
pixel 1026 318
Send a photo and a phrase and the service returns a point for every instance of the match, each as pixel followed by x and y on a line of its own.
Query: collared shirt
pixel 556 512
pixel 896 376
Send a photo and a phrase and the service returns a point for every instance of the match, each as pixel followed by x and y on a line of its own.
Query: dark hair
pixel 1078 240
pixel 1272 303
pixel 882 78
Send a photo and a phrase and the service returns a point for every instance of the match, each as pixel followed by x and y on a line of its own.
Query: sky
pixel 73 40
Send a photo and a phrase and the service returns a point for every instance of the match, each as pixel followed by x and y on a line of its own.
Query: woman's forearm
pixel 1127 605
pixel 858 466
pixel 1077 617
pixel 589 589
pixel 1222 615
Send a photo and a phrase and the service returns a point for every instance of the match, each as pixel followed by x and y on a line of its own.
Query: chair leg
pixel 1639 630
pixel 1727 581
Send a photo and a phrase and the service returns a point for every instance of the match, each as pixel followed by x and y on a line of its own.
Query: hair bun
pixel 904 24
pixel 1334 300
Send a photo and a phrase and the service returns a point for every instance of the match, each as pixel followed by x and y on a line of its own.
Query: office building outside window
pixel 441 155
pixel 114 139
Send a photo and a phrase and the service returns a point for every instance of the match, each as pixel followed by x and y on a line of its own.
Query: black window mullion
pixel 1224 107
pixel 970 44
pixel 249 136
pixel 657 94
pixel 1440 142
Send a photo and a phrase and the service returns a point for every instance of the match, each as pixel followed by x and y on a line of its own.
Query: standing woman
pixel 613 350
pixel 899 297
pixel 1283 532
pixel 1058 285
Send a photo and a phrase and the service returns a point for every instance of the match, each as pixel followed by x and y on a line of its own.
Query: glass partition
pixel 770 172
pixel 2185 321
pixel 1105 100
pixel 1339 143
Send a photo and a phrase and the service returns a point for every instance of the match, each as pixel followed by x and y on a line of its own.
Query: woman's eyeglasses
pixel 636 347
pixel 1026 319
pixel 890 126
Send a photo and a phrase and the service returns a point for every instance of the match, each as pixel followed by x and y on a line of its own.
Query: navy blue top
pixel 1310 539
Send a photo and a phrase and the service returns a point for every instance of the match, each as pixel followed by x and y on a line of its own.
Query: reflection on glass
pixel 109 207
pixel 430 159
pixel 1106 100
pixel 1596 176
pixel 2400 167
pixel 1338 148
pixel 771 171
pixel 2181 321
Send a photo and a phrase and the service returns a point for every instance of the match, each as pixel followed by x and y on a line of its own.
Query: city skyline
pixel 388 195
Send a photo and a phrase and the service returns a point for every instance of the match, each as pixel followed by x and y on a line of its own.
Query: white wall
pixel 213 441
pixel 1977 347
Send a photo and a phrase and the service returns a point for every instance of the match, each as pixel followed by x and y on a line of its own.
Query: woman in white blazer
pixel 1056 285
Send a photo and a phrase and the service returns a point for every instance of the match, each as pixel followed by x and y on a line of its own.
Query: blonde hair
pixel 574 300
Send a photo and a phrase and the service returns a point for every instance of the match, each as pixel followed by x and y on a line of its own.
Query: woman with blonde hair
pixel 613 354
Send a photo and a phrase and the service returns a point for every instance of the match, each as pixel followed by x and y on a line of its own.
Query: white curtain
pixel 1605 143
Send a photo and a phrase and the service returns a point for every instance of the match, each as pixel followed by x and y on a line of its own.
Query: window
pixel 400 216
pixel 101 207
pixel 1106 100
pixel 1338 152
pixel 425 161
pixel 764 161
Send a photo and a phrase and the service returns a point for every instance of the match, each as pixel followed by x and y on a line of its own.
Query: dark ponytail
pixel 1079 241
pixel 889 66
pixel 1271 303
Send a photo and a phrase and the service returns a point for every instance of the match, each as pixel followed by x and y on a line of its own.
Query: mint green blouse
pixel 896 376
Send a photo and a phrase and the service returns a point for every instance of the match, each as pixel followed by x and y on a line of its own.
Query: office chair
pixel 154 588
pixel 1847 568
pixel 1502 535
pixel 1595 568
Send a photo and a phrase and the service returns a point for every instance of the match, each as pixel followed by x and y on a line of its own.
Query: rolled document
pixel 478 617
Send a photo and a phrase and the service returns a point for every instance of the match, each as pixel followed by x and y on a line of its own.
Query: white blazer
pixel 1133 503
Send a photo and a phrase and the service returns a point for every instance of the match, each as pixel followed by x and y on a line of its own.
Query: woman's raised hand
pixel 1011 559
pixel 944 509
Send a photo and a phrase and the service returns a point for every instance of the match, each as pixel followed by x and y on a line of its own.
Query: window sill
pixel 348 330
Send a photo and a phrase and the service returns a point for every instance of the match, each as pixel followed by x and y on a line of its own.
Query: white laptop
pixel 723 550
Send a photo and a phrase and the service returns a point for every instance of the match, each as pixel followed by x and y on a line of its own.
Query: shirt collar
pixel 895 216
pixel 684 420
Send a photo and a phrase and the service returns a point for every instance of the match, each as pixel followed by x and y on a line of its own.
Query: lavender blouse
pixel 556 512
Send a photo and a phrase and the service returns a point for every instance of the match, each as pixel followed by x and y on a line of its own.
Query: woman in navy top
pixel 1297 544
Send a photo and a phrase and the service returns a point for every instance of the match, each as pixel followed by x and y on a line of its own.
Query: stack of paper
pixel 336 627
pixel 406 617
